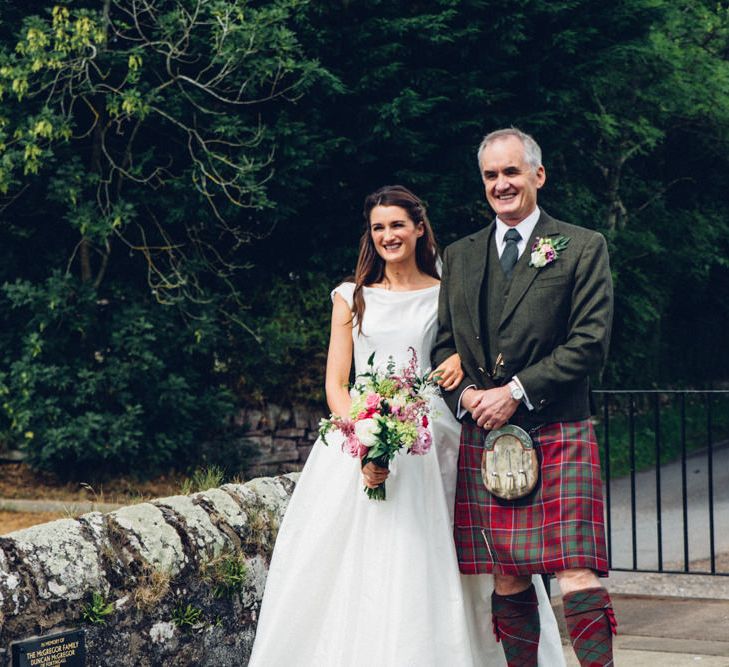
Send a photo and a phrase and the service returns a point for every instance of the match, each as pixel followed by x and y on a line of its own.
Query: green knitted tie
pixel 511 252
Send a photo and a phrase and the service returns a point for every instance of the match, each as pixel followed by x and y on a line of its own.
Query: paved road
pixel 665 631
pixel 672 520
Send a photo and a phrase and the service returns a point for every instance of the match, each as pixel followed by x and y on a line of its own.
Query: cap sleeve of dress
pixel 346 291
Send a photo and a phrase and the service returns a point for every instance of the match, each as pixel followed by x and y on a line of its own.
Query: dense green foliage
pixel 102 385
pixel 629 100
pixel 135 144
pixel 181 183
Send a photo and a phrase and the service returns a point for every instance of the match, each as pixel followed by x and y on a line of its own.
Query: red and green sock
pixel 516 626
pixel 591 624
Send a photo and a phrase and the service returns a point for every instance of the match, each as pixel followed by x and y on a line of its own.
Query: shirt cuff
pixel 461 412
pixel 525 400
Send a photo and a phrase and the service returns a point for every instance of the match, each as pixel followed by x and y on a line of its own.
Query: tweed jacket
pixel 554 329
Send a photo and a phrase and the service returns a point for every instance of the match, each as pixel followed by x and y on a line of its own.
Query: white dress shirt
pixel 525 229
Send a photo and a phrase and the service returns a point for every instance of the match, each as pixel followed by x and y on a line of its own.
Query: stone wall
pixel 280 437
pixel 177 581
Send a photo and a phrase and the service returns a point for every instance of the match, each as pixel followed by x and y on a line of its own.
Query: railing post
pixel 710 472
pixel 657 436
pixel 631 443
pixel 606 431
pixel 684 485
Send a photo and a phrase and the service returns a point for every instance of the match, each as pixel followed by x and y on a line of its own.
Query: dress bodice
pixel 392 323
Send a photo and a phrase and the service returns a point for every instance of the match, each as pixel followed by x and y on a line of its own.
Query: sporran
pixel 509 464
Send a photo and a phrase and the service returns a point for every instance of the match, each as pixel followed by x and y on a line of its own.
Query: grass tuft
pixel 203 479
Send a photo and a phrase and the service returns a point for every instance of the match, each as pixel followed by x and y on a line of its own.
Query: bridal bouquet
pixel 389 413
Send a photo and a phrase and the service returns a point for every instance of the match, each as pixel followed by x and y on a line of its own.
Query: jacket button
pixel 477 338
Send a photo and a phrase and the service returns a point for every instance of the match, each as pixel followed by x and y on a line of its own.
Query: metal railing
pixel 667 510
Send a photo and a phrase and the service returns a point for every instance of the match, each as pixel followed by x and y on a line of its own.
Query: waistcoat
pixel 494 291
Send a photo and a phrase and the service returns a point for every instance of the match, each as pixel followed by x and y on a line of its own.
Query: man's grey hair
pixel 532 152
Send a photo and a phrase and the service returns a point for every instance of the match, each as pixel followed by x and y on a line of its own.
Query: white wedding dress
pixel 376 583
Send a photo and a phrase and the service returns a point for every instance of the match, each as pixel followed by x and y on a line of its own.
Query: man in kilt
pixel 527 303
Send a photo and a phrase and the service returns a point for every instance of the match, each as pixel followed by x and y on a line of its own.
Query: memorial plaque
pixel 64 649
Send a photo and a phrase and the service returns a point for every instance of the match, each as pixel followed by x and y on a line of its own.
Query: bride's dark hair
pixel 370 266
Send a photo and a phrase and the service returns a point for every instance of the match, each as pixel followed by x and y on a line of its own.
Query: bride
pixel 355 581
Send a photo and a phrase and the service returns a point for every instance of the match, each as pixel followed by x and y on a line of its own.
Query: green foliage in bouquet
pixel 389 413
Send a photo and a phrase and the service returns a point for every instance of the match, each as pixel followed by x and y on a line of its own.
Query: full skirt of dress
pixel 360 582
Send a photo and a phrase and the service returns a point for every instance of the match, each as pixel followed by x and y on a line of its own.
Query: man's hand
pixel 374 475
pixel 490 408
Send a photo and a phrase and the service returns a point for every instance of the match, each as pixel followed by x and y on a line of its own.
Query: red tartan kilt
pixel 560 525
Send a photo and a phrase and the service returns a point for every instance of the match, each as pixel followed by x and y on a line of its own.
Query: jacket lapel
pixel 475 261
pixel 524 275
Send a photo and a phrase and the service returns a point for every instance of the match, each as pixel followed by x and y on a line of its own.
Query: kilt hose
pixel 558 526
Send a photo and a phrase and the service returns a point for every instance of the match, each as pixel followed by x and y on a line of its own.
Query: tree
pixel 641 100
pixel 628 99
pixel 137 141
pixel 148 119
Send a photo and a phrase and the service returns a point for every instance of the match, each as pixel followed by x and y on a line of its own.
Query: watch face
pixel 516 393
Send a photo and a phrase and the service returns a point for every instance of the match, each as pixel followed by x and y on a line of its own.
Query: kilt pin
pixel 558 526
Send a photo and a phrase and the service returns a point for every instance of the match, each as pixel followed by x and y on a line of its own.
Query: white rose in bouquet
pixel 367 431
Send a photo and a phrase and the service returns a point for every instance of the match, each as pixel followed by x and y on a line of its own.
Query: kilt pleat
pixel 560 525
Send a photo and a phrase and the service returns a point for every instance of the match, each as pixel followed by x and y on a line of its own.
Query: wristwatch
pixel 517 393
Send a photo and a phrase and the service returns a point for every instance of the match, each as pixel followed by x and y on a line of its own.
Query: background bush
pixel 97 386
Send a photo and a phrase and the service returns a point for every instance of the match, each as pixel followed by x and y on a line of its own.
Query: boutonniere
pixel 546 250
